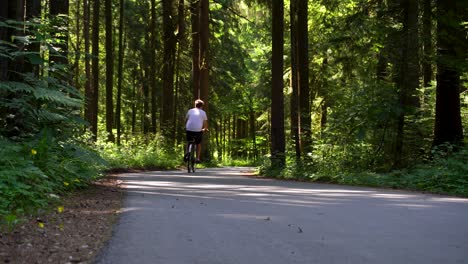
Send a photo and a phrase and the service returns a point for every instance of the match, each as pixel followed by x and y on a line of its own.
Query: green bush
pixel 446 173
pixel 40 156
pixel 140 152
pixel 32 173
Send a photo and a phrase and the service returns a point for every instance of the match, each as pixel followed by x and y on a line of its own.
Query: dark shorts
pixel 194 135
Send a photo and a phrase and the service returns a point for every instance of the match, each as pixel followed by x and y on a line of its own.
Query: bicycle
pixel 190 155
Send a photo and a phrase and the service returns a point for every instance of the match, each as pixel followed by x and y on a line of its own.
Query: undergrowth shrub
pixel 140 152
pixel 40 156
pixel 446 173
pixel 33 173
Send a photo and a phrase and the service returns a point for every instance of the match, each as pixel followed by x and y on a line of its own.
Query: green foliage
pixel 36 171
pixel 40 156
pixel 240 162
pixel 138 152
pixel 447 173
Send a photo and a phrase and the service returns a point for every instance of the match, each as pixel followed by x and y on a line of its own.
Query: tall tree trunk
pixel 412 57
pixel 195 17
pixel 95 69
pixel 295 117
pixel 60 7
pixel 409 72
pixel 152 80
pixel 205 67
pixel 120 72
pixel 204 49
pixel 76 64
pixel 109 72
pixel 134 101
pixel 168 70
pixel 145 72
pixel 88 111
pixel 303 75
pixel 146 97
pixel 252 133
pixel 277 97
pixel 180 46
pixel 181 21
pixel 451 49
pixel 427 42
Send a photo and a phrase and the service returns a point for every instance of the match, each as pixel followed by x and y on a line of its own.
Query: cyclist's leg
pixel 189 137
pixel 198 152
pixel 198 140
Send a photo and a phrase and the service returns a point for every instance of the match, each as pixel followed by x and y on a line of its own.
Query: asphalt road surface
pixel 222 216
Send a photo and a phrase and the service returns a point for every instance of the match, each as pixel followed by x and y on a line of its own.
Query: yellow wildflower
pixel 33 152
pixel 60 209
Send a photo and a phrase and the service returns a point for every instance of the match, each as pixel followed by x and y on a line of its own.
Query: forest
pixel 359 92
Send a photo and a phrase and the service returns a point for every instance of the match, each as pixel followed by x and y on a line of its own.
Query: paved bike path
pixel 222 216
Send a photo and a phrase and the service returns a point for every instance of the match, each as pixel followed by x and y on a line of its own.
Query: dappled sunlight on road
pixel 229 184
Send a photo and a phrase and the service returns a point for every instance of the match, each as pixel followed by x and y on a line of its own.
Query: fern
pixel 40 155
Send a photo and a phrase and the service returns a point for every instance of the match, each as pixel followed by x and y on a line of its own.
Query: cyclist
pixel 196 123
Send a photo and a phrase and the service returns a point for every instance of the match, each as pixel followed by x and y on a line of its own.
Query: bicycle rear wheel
pixel 191 158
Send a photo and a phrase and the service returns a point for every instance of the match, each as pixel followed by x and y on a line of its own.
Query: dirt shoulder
pixel 74 232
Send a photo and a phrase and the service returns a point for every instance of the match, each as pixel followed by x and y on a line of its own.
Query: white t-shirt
pixel 195 118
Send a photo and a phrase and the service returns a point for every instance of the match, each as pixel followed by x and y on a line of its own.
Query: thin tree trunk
pixel 226 124
pixel 303 76
pixel 295 117
pixel 252 133
pixel 146 98
pixel 168 70
pixel 204 49
pixel 88 112
pixel 181 21
pixel 134 102
pixel 152 80
pixel 231 129
pixel 145 77
pixel 427 43
pixel 120 72
pixel 204 68
pixel 95 69
pixel 180 46
pixel 76 65
pixel 109 72
pixel 277 97
pixel 195 17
